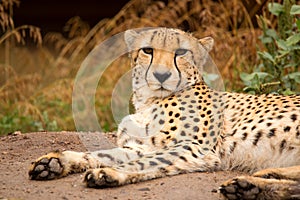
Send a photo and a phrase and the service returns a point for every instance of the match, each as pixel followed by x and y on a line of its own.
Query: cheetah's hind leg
pixel 274 183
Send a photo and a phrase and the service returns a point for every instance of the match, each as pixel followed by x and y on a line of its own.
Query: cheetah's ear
pixel 129 37
pixel 207 43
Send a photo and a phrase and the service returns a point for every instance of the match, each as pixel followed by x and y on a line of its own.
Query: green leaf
pixel 255 76
pixel 295 76
pixel 275 8
pixel 266 40
pixel 298 24
pixel 282 44
pixel 272 33
pixel 267 56
pixel 294 39
pixel 295 10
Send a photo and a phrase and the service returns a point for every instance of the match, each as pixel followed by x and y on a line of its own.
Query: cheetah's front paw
pixel 46 167
pixel 103 177
pixel 239 188
pixel 248 187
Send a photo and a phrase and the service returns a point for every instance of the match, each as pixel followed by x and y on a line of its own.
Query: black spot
pixel 205 123
pixel 260 121
pixel 104 155
pixel 171 121
pixel 294 117
pixel 152 163
pixel 161 121
pixel 177 115
pixel 173 128
pixel 166 105
pixel 173 153
pixel 204 134
pixel 187 125
pixel 257 137
pixel 174 104
pixel 196 129
pixel 186 147
pixel 253 127
pixel 165 132
pixel 212 133
pixel 244 136
pixel 269 124
pixel 153 141
pixel 142 165
pixel 183 158
pixel 234 132
pixel 232 147
pixel 282 145
pixel 181 108
pixel 279 116
pixel 271 132
pixel 182 118
pixel 164 161
pixel 170 113
pixel 183 133
pixel 196 119
pixel 287 129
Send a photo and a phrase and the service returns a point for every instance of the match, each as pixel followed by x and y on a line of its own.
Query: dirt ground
pixel 17 151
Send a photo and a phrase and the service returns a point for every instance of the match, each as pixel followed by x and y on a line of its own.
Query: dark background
pixel 51 15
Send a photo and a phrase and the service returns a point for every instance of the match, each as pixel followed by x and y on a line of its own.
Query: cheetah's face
pixel 165 60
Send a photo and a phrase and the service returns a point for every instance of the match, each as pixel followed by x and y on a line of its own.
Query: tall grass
pixel 36 82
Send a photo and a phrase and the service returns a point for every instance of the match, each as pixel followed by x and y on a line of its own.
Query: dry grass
pixel 42 82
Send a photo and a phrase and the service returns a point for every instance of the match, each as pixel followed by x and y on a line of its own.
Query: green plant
pixel 278 68
pixel 15 121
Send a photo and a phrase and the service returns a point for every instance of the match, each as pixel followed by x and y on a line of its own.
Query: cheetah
pixel 181 125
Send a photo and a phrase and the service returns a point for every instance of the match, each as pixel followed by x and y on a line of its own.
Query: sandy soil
pixel 17 151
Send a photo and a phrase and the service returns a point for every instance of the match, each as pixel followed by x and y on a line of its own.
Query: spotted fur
pixel 181 125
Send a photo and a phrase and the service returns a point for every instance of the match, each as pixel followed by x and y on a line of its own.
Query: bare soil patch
pixel 19 150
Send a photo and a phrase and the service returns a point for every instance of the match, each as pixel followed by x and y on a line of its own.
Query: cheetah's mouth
pixel 162 92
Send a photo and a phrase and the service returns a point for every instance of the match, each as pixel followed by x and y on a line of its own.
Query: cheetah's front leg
pixel 59 164
pixel 181 158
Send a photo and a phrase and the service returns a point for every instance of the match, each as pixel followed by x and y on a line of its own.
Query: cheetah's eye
pixel 180 52
pixel 147 50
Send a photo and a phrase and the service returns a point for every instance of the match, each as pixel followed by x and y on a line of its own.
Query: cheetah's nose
pixel 162 77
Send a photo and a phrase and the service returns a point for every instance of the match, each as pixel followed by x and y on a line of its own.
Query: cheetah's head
pixel 164 61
